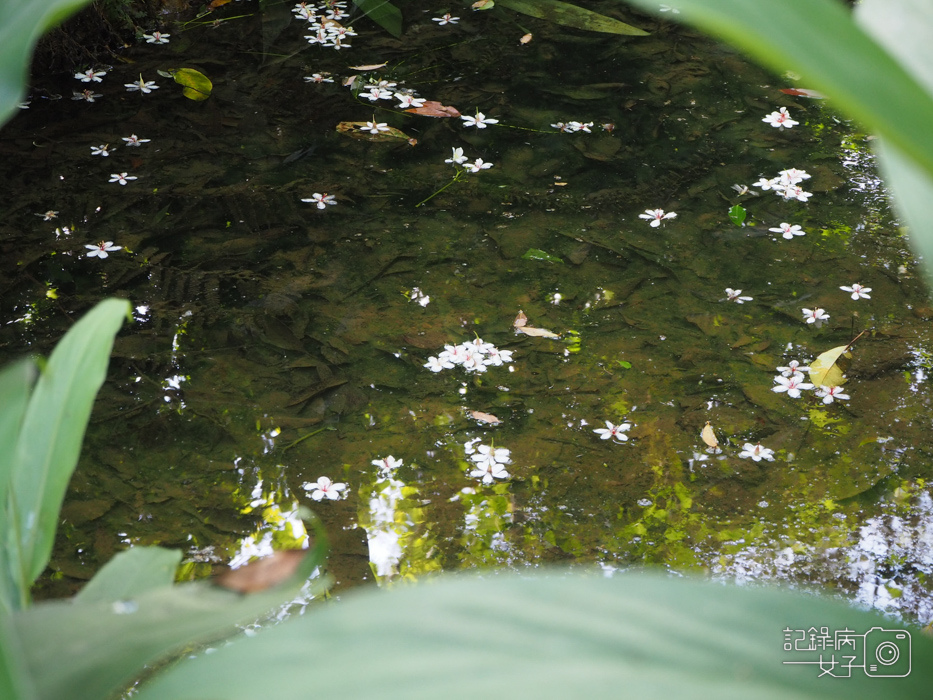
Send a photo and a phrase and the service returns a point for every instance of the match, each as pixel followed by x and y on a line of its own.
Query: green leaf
pixel 737 214
pixel 531 636
pixel 14 683
pixel 50 439
pixel 383 13
pixel 568 15
pixel 903 27
pixel 197 85
pixel 22 22
pixel 821 41
pixel 538 254
pixel 825 370
pixel 132 573
pixel 16 383
pixel 90 648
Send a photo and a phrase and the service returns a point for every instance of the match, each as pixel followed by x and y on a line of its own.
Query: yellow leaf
pixel 196 85
pixel 827 369
pixel 708 436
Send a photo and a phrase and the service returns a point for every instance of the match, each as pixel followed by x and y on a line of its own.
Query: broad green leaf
pixel 383 13
pixel 737 214
pixel 568 15
pixel 561 635
pixel 50 439
pixel 131 573
pixel 538 254
pixel 197 85
pixel 904 28
pixel 825 369
pixel 820 40
pixel 89 649
pixel 22 22
pixel 14 683
pixel 16 382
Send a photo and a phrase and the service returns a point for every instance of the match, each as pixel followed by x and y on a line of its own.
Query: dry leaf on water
pixel 485 417
pixel 538 332
pixel 520 327
pixel 370 66
pixel 525 39
pixel 708 436
pixel 432 108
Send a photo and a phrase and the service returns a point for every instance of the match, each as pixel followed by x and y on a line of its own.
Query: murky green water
pixel 258 312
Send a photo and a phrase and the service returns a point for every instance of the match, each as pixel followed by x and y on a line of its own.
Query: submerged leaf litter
pixel 275 352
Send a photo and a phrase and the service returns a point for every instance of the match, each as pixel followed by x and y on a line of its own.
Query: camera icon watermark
pixel 879 652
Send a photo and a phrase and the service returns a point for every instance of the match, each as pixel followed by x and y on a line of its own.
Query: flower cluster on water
pixel 473 355
pixel 324 22
pixel 792 380
pixel 787 184
pixel 489 461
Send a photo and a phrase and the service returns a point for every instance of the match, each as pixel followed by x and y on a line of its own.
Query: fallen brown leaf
pixel 432 108
pixel 485 417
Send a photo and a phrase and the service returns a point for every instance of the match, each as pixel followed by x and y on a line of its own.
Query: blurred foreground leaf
pixel 22 22
pixel 538 636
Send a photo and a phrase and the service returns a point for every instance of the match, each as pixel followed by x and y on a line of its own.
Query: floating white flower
pixel 445 19
pixel 831 393
pixel 375 127
pixel 318 78
pixel 457 157
pixel 156 38
pixel 387 465
pixel 321 200
pixel 91 75
pixel 756 452
pixel 815 316
pixel 793 368
pixel 102 150
pixel 102 249
pixel 490 462
pixel 734 295
pixel 479 121
pixel 134 140
pixel 143 86
pixel 325 488
pixel 616 432
pixel 406 101
pixel 122 178
pixel 792 385
pixel 656 216
pixel 857 291
pixel 780 119
pixel 477 165
pixel 788 231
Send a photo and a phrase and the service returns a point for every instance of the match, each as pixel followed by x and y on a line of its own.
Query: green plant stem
pixel 455 178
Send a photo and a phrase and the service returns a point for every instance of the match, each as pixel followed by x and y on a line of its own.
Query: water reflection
pixel 282 338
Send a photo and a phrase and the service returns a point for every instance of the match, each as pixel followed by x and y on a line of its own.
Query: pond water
pixel 276 342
